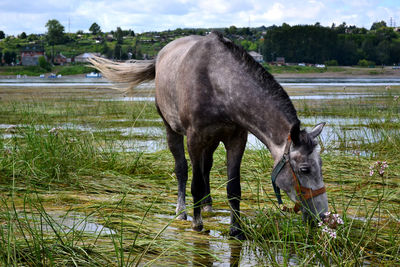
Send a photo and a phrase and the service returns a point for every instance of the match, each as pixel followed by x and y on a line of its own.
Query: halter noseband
pixel 304 193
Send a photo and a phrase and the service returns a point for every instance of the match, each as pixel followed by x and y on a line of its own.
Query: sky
pixel 17 16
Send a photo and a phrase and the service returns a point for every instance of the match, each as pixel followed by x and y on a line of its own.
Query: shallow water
pixel 353 130
pixel 293 97
pixel 227 252
pixel 331 96
pixel 76 222
pixel 341 81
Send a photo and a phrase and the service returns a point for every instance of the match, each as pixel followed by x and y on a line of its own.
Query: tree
pixel 32 37
pixel 95 29
pixel 23 35
pixel 383 50
pixel 117 52
pixel 9 56
pixel 55 32
pixel 2 35
pixel 377 25
pixel 119 35
pixel 104 49
pixel 231 30
pixel 44 64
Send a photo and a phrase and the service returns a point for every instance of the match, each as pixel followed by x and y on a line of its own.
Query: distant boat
pixel 52 76
pixel 41 76
pixel 93 75
pixel 59 76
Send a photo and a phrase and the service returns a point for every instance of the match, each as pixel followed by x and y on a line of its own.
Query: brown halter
pixel 304 193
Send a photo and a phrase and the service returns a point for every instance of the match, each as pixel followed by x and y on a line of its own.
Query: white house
pixel 256 56
pixel 84 57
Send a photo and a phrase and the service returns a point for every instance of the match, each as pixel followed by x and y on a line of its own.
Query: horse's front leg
pixel 235 145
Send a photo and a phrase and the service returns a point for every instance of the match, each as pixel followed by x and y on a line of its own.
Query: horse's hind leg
pixel 176 146
pixel 196 147
pixel 207 165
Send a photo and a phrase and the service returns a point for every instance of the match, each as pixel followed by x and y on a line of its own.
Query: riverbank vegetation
pixel 315 44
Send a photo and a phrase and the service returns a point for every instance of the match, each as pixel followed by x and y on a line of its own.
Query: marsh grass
pixel 44 156
pixel 83 170
pixel 370 237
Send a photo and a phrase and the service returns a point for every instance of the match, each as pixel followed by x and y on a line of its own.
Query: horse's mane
pixel 269 83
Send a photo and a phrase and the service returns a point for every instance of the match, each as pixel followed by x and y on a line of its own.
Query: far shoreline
pixel 344 72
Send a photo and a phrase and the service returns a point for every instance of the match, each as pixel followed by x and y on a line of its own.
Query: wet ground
pixel 151 139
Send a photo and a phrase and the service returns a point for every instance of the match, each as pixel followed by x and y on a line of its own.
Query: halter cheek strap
pixel 304 193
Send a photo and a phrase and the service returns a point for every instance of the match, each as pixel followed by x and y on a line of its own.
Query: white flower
pixel 11 129
pixel 332 234
pixel 55 130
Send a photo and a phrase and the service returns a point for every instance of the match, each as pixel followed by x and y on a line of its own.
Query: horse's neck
pixel 262 116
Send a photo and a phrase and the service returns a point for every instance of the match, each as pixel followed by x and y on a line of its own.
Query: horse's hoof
pixel 197 227
pixel 182 216
pixel 237 233
pixel 207 208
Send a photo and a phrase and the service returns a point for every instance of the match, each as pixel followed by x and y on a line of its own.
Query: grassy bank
pixel 67 164
pixel 277 70
pixel 36 70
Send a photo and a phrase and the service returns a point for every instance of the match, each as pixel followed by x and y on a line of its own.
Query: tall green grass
pixel 370 238
pixel 43 156
pixel 70 170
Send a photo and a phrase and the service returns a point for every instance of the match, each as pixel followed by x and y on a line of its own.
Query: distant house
pixel 110 37
pixel 83 58
pixel 30 55
pixel 60 59
pixel 280 61
pixel 259 58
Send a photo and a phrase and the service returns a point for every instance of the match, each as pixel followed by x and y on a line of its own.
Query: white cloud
pixel 275 13
pixel 143 15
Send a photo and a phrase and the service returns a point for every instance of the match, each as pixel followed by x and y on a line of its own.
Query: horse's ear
pixel 317 130
pixel 295 133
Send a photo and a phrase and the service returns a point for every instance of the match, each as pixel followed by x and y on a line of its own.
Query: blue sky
pixel 146 15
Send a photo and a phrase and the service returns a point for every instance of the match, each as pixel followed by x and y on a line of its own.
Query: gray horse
pixel 212 91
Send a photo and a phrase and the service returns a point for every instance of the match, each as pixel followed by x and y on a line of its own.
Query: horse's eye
pixel 305 170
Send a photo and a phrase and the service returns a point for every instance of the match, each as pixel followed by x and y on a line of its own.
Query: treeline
pixel 342 44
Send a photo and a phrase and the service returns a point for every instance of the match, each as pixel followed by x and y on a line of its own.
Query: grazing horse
pixel 213 91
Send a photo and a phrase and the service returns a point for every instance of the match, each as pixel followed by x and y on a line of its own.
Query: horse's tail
pixel 131 73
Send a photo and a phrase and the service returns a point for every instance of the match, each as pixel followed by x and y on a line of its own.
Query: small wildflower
pixel 332 234
pixel 396 97
pixel 11 129
pixel 387 87
pixel 55 130
pixel 379 167
pixel 7 151
pixel 330 223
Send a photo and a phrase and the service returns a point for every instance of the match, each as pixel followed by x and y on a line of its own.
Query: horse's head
pixel 301 176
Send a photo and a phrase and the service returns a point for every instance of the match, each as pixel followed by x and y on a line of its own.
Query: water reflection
pixel 229 253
